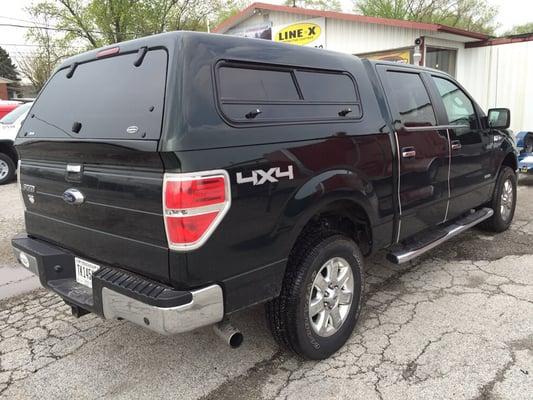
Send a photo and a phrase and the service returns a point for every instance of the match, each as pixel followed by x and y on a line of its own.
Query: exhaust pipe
pixel 228 333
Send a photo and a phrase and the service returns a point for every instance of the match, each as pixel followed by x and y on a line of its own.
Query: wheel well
pixel 8 149
pixel 510 161
pixel 341 217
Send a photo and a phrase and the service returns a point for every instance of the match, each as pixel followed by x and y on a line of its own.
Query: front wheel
pixel 320 300
pixel 7 168
pixel 503 201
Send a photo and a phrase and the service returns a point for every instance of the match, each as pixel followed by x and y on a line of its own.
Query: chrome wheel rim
pixel 4 169
pixel 331 297
pixel 506 203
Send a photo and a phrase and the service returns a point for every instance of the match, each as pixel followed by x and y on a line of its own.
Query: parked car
pixel 525 163
pixel 9 126
pixel 524 141
pixel 195 175
pixel 6 106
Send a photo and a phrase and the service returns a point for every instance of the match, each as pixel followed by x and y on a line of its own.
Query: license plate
pixel 85 271
pixel 524 169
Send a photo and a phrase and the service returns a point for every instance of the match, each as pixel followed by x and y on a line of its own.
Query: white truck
pixel 9 127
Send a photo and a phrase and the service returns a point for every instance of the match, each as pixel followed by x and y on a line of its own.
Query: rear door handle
pixel 456 144
pixel 408 152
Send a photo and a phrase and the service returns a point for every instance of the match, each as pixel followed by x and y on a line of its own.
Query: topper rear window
pixel 108 98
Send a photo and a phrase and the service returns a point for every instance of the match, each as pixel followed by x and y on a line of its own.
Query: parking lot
pixel 457 323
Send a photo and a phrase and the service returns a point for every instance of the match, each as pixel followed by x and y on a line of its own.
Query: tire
pixel 7 168
pixel 289 315
pixel 503 209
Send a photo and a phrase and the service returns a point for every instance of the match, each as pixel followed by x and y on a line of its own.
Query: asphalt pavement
pixel 456 323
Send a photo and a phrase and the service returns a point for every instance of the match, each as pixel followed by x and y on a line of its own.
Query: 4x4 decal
pixel 260 177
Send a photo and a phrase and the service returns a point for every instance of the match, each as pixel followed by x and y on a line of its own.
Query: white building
pixel 497 72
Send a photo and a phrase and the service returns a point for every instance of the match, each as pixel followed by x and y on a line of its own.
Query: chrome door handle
pixel 456 145
pixel 408 152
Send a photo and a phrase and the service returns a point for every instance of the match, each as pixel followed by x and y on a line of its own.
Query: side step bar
pixel 426 241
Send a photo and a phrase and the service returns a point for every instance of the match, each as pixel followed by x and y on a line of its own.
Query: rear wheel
pixel 320 300
pixel 7 168
pixel 503 201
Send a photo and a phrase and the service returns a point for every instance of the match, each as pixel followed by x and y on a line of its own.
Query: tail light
pixel 193 206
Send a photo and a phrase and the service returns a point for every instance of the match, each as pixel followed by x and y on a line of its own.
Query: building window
pixel 441 59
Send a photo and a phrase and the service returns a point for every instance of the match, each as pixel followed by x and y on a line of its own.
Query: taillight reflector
pixel 193 206
pixel 195 193
pixel 189 229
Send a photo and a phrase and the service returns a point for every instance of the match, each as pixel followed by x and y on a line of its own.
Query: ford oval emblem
pixel 132 129
pixel 73 196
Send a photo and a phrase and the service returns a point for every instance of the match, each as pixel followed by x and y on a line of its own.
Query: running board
pixel 426 241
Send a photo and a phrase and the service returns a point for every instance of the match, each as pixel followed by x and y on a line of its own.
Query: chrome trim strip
pixel 452 231
pixel 206 308
pixel 432 128
pixel 449 171
pixel 399 183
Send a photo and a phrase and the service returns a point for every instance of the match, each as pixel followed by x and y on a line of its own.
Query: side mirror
pixel 499 118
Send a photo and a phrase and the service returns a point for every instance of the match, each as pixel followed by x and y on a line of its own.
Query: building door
pixel 471 149
pixel 422 148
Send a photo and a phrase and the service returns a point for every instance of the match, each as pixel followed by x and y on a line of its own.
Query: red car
pixel 8 106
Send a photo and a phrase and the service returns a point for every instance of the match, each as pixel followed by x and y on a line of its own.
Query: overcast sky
pixel 512 12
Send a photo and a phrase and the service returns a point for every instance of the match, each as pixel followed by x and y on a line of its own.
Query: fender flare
pixel 320 192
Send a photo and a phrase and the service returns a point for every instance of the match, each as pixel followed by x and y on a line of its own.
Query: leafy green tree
pixel 520 29
pixel 326 5
pixel 96 23
pixel 8 70
pixel 472 15
pixel 78 25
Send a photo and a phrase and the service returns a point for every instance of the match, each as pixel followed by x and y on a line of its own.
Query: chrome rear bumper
pixel 119 294
pixel 206 308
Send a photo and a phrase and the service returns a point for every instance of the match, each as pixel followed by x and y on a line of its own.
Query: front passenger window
pixel 459 108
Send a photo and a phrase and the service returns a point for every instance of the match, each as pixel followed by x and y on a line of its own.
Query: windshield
pixel 108 98
pixel 11 117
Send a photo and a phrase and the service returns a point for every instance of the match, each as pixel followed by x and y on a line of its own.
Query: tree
pixel 472 15
pixel 520 29
pixel 8 70
pixel 326 5
pixel 96 23
pixel 66 27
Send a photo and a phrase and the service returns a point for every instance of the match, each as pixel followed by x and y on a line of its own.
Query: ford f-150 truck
pixel 193 175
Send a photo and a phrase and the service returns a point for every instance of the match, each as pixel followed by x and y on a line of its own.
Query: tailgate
pixel 94 130
pixel 120 221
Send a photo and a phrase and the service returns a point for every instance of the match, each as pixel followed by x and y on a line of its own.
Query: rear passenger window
pixel 256 84
pixel 249 93
pixel 410 99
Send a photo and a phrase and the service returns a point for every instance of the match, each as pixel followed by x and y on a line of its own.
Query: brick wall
pixel 3 91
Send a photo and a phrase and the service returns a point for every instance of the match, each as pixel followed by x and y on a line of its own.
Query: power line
pixel 51 28
pixel 17 19
pixel 18 45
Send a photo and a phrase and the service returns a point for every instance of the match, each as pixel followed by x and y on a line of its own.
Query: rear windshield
pixel 12 117
pixel 108 98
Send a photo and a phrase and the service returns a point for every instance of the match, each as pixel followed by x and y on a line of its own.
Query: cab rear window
pixel 250 93
pixel 107 98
